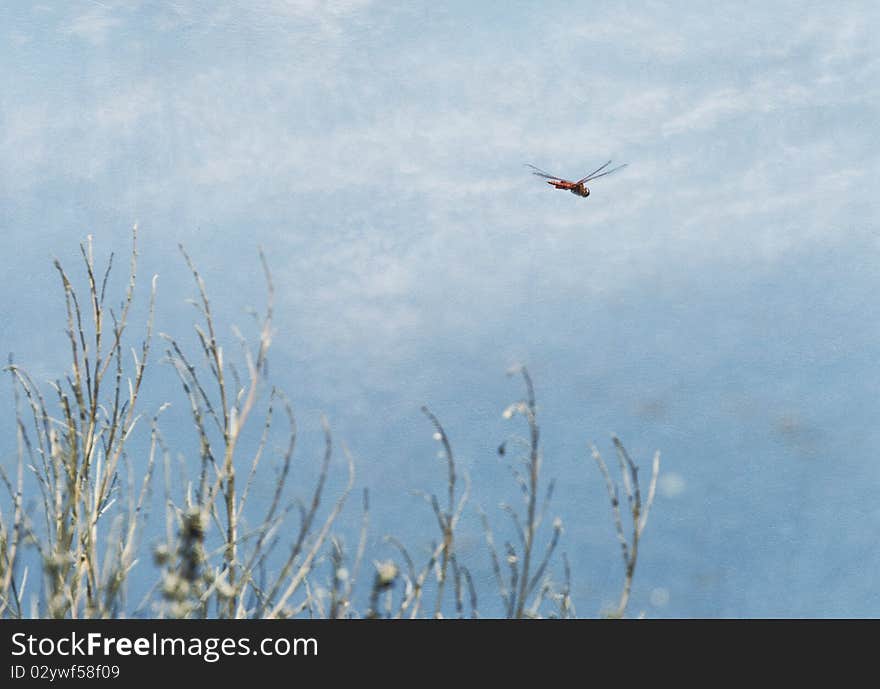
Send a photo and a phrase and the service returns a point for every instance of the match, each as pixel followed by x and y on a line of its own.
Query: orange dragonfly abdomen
pixel 578 188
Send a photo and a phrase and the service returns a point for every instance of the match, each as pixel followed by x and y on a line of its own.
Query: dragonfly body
pixel 578 188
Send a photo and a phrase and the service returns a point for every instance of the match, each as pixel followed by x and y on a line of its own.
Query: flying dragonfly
pixel 578 188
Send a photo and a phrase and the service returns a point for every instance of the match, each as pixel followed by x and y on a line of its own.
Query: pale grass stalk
pixel 638 512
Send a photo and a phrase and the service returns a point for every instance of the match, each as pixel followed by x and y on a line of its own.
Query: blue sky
pixel 714 300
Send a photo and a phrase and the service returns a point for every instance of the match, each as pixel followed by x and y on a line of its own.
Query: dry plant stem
pixel 306 518
pixel 566 607
pixel 234 414
pixel 271 521
pixel 234 586
pixel 444 518
pixel 442 553
pixel 524 585
pixel 342 599
pixel 412 598
pixel 472 593
pixel 524 578
pixel 534 468
pixel 92 493
pixel 638 512
pixel 78 455
pixel 10 535
pixel 443 550
pixel 306 565
pixel 336 563
pixel 503 590
pixel 462 577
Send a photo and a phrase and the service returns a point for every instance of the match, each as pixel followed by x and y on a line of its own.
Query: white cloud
pixel 19 38
pixel 639 33
pixel 403 175
pixel 93 25
pixel 773 92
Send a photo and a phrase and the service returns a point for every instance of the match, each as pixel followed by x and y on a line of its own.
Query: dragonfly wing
pixel 593 173
pixel 541 173
pixel 595 176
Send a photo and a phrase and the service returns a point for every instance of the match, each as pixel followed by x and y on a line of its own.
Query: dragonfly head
pixel 581 190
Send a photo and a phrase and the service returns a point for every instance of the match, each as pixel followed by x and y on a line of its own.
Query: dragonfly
pixel 578 188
